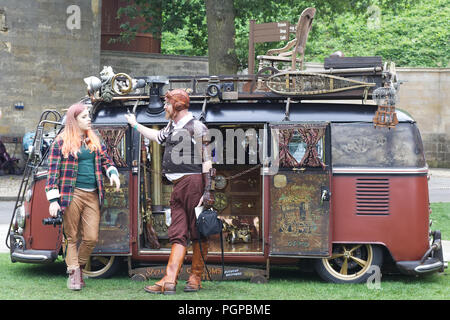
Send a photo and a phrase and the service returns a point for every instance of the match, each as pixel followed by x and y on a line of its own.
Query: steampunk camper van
pixel 308 169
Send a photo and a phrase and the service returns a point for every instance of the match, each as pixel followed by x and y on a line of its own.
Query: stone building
pixel 47 47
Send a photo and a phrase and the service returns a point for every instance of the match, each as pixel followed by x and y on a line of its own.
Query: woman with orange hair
pixel 75 187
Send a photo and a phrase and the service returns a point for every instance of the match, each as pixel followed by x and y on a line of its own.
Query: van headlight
pixel 20 216
pixel 28 195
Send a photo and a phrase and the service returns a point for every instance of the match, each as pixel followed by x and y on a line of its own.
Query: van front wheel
pixel 101 266
pixel 350 263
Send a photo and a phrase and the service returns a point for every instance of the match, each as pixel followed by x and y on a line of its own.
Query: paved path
pixel 3 235
pixel 439 185
pixel 6 208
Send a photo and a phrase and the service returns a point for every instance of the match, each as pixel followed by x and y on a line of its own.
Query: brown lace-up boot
pixel 194 284
pixel 73 282
pixel 81 276
pixel 168 284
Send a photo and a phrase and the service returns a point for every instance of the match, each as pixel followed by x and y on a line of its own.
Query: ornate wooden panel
pixel 299 220
pixel 114 233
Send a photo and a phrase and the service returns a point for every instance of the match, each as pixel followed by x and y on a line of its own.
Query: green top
pixel 86 169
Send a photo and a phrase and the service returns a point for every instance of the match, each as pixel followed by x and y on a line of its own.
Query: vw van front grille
pixel 372 196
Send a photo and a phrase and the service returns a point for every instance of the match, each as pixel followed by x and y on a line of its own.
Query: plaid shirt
pixel 62 174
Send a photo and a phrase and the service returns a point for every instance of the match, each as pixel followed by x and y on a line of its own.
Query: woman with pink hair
pixel 75 187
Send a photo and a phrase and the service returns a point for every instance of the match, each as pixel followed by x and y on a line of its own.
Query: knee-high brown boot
pixel 167 285
pixel 194 282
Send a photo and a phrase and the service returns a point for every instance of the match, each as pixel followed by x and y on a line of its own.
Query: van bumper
pixel 432 260
pixel 19 253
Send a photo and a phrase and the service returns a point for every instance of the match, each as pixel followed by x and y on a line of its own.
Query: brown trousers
pixel 81 219
pixel 185 196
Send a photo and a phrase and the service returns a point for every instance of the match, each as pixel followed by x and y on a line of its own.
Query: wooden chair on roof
pixel 294 48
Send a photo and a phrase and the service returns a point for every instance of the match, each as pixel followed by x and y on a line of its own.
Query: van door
pixel 114 230
pixel 300 189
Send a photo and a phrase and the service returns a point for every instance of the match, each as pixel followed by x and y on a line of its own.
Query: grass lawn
pixel 27 281
pixel 441 218
pixel 48 282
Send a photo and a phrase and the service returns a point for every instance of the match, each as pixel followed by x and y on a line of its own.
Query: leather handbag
pixel 209 224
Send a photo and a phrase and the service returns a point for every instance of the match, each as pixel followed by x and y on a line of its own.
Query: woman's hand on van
pixel 131 118
pixel 54 208
pixel 115 179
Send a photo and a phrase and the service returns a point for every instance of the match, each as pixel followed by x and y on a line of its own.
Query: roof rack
pixel 346 83
pixel 355 83
pixel 269 83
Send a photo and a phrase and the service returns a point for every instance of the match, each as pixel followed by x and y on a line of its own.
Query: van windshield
pixel 363 145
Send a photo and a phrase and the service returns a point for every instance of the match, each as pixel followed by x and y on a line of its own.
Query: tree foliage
pixel 408 32
pixel 181 24
pixel 414 35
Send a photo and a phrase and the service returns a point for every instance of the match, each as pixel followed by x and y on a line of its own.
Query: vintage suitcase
pixel 352 62
pixel 370 68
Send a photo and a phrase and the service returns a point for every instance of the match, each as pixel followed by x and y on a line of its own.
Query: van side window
pixel 297 147
pixel 300 144
pixel 363 145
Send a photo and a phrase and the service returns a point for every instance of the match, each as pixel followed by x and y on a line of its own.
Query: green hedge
pixel 418 37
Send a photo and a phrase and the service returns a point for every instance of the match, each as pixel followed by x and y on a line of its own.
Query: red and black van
pixel 300 177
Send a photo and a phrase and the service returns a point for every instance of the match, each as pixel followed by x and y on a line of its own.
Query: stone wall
pixel 425 95
pixel 151 64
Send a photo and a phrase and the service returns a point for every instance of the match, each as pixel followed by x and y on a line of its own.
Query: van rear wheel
pixel 350 263
pixel 101 266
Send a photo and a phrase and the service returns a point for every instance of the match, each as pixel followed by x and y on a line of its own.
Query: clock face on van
pixel 221 182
